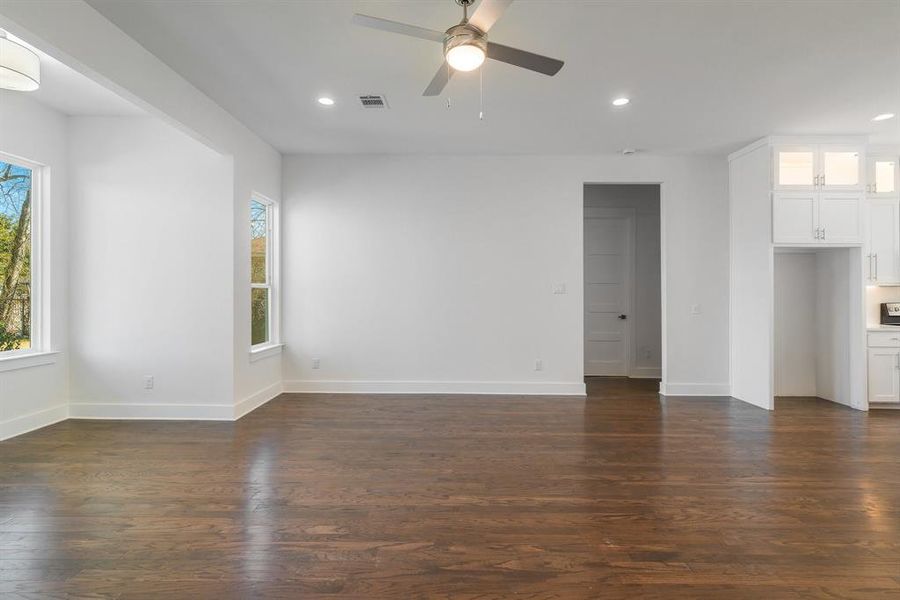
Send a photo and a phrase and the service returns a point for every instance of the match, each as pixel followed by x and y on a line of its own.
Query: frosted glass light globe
pixel 465 57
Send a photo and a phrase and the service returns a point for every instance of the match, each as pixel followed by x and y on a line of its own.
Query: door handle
pixel 871 272
pixel 623 317
pixel 876 266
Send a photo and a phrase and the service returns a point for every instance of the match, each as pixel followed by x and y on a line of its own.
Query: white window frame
pixel 39 351
pixel 273 279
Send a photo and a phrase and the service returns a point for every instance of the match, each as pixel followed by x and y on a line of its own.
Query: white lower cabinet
pixel 884 367
pixel 812 218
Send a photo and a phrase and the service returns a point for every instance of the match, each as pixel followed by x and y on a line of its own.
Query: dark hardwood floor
pixel 402 497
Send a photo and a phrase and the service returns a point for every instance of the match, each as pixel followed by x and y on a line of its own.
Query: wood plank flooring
pixel 621 495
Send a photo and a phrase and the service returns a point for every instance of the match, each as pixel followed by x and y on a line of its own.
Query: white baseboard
pixel 151 412
pixel 163 412
pixel 695 389
pixel 645 373
pixel 36 420
pixel 254 401
pixel 551 388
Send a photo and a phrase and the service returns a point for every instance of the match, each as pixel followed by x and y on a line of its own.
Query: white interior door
pixel 607 287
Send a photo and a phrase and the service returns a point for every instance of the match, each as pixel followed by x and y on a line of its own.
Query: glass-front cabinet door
pixel 841 168
pixel 819 167
pixel 796 168
pixel 883 176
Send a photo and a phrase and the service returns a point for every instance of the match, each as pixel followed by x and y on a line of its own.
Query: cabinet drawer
pixel 884 339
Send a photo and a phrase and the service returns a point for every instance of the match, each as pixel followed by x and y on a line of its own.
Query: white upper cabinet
pixel 795 218
pixel 819 167
pixel 814 218
pixel 840 218
pixel 883 177
pixel 883 241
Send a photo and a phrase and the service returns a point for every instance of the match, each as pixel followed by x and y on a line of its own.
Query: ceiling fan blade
pixel 524 59
pixel 395 27
pixel 488 12
pixel 439 81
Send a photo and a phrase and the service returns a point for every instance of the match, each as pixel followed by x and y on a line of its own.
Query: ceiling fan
pixel 466 44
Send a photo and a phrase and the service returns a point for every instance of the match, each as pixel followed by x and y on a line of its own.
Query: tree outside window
pixel 15 257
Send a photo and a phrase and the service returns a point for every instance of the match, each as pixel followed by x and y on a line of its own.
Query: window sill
pixel 266 351
pixel 27 359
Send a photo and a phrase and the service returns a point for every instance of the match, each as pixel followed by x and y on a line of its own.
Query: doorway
pixel 622 282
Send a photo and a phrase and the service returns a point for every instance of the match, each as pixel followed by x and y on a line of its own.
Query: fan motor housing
pixel 462 35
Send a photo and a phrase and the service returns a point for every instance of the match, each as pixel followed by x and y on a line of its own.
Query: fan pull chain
pixel 481 93
pixel 449 105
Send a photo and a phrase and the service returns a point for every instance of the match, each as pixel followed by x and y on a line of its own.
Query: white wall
pixel 151 271
pixel 37 396
pixel 833 320
pixel 435 273
pixel 796 330
pixel 646 320
pixel 69 30
pixel 752 279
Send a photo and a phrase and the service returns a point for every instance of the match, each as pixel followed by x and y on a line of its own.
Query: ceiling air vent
pixel 373 101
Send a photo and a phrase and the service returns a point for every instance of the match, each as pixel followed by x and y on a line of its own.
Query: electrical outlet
pixel 559 288
pixel 696 309
pixel 315 363
pixel 148 382
pixel 538 365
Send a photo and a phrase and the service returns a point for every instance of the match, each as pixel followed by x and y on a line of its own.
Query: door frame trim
pixel 628 284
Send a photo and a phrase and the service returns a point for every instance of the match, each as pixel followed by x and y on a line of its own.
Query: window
pixel 263 273
pixel 19 209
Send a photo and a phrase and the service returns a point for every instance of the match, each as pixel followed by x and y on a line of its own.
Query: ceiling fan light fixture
pixel 465 47
pixel 20 67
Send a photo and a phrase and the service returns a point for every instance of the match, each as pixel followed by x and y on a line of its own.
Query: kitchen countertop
pixel 894 328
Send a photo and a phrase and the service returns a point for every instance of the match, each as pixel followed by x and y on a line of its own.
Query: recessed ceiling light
pixel 326 101
pixel 621 101
pixel 883 117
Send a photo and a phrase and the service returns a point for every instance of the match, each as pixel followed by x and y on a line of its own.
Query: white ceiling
pixel 71 93
pixel 704 77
